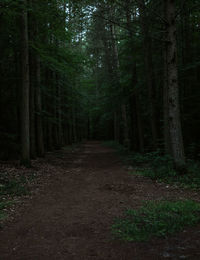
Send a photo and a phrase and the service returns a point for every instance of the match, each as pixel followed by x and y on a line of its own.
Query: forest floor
pixel 72 207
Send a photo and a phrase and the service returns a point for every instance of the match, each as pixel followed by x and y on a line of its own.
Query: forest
pixel 104 70
pixel 124 74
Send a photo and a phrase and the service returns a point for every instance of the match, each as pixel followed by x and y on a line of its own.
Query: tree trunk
pixel 150 77
pixel 74 128
pixel 116 127
pixel 32 85
pixel 39 126
pixel 140 125
pixel 59 111
pixel 116 67
pixel 175 130
pixel 32 109
pixel 135 101
pixel 25 120
pixel 167 142
pixel 110 78
pixel 126 141
pixel 55 113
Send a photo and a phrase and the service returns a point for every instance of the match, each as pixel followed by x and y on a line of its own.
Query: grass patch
pixel 13 186
pixel 166 173
pixel 156 219
pixel 3 206
pixel 120 149
pixel 160 167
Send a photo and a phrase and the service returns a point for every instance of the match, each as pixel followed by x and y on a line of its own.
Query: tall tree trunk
pixel 39 123
pixel 59 108
pixel 150 77
pixel 140 125
pixel 136 107
pixel 126 141
pixel 116 127
pixel 116 67
pixel 74 128
pixel 110 78
pixel 25 120
pixel 49 108
pixel 55 114
pixel 32 109
pixel 167 142
pixel 175 130
pixel 32 85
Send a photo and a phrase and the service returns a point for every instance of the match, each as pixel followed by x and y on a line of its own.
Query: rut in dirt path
pixel 71 217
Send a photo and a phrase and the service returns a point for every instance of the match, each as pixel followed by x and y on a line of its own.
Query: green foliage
pixel 159 167
pixel 156 219
pixel 166 173
pixel 155 159
pixel 121 150
pixel 3 206
pixel 13 186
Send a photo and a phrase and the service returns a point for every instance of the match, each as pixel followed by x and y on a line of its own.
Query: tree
pixel 149 70
pixel 172 92
pixel 25 121
pixel 102 70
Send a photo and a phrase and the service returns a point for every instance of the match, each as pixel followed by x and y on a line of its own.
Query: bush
pixel 156 219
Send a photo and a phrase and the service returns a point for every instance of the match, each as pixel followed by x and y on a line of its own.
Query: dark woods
pixel 120 70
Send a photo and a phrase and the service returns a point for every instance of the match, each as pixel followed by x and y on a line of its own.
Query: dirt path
pixel 70 218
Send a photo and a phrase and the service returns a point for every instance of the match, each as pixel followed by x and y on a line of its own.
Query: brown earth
pixel 71 215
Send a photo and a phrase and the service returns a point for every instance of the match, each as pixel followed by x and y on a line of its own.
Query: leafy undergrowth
pixel 3 206
pixel 156 219
pixel 13 184
pixel 120 149
pixel 159 167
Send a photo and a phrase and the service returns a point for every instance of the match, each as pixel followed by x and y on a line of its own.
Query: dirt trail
pixel 71 217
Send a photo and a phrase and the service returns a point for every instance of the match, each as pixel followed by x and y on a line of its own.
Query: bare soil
pixel 70 215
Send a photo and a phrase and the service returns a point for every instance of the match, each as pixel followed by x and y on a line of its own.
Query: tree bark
pixel 140 125
pixel 25 120
pixel 74 128
pixel 59 113
pixel 135 101
pixel 150 77
pixel 39 123
pixel 167 142
pixel 175 131
pixel 116 127
pixel 32 84
pixel 116 67
pixel 126 141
